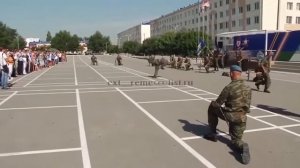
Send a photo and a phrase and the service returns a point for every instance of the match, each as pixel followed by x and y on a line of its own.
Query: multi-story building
pixel 224 16
pixel 137 33
pixel 230 16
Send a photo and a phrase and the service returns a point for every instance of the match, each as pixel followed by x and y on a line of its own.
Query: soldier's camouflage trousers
pixel 236 121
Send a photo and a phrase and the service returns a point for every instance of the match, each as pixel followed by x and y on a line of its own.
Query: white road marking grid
pixel 197 94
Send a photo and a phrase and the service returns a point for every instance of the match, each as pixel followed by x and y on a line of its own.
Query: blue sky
pixel 34 18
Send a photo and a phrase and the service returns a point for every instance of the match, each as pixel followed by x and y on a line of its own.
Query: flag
pixel 200 46
pixel 205 3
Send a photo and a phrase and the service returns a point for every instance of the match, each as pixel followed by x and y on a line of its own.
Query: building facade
pixel 137 33
pixel 221 16
pixel 231 15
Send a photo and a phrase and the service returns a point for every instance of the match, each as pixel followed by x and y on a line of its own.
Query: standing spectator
pixel 4 69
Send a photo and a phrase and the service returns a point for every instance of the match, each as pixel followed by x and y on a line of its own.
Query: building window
pixel 227 12
pixel 210 16
pixel 205 18
pixel 290 6
pixel 227 2
pixel 248 7
pixel 241 9
pixel 221 26
pixel 298 6
pixel 241 22
pixel 215 26
pixel 221 2
pixel 221 14
pixel 216 16
pixel 233 1
pixel 226 25
pixel 289 19
pixel 233 11
pixel 216 4
pixel 256 5
pixel 256 19
pixel 297 20
pixel 248 21
pixel 233 23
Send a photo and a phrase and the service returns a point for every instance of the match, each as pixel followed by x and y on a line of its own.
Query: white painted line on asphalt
pixel 211 98
pixel 37 77
pixel 93 82
pixel 46 78
pixel 25 76
pixel 292 73
pixel 169 132
pixel 281 128
pixel 58 74
pixel 49 93
pixel 201 94
pixel 266 116
pixel 247 115
pixel 9 97
pixel 85 152
pixel 98 91
pixel 246 131
pixel 253 107
pixel 132 90
pixel 168 101
pixel 121 72
pixel 285 80
pixel 75 73
pixel 39 152
pixel 123 77
pixel 94 70
pixel 51 84
pixel 42 107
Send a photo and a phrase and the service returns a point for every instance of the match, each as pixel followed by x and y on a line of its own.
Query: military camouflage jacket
pixel 236 96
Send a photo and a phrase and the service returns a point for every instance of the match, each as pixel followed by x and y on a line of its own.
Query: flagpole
pixel 198 32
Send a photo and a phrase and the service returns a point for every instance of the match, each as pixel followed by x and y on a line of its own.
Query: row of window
pixel 223 25
pixel 290 6
pixel 256 4
pixel 289 20
pixel 196 11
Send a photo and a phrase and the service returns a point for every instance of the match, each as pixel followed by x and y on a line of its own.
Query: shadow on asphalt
pixel 278 110
pixel 202 129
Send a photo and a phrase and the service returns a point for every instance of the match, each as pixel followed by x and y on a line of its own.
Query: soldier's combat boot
pixel 245 154
pixel 257 86
pixel 267 91
pixel 212 136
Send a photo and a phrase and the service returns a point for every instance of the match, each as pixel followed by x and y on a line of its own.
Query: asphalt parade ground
pixel 75 115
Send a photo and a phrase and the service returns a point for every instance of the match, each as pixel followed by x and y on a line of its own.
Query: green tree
pixel 131 47
pixel 9 38
pixel 98 43
pixel 64 41
pixel 49 37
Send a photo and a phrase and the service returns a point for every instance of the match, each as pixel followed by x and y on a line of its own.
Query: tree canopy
pixel 64 41
pixel 10 39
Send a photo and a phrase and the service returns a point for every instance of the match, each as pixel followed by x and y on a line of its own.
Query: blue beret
pixel 235 68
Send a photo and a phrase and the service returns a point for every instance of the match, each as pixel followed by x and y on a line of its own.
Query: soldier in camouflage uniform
pixel 159 63
pixel 263 70
pixel 179 62
pixel 237 98
pixel 173 61
pixel 119 60
pixel 188 64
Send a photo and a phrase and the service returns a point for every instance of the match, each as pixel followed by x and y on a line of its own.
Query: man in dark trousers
pixel 263 76
pixel 237 99
pixel 159 63
pixel 119 60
